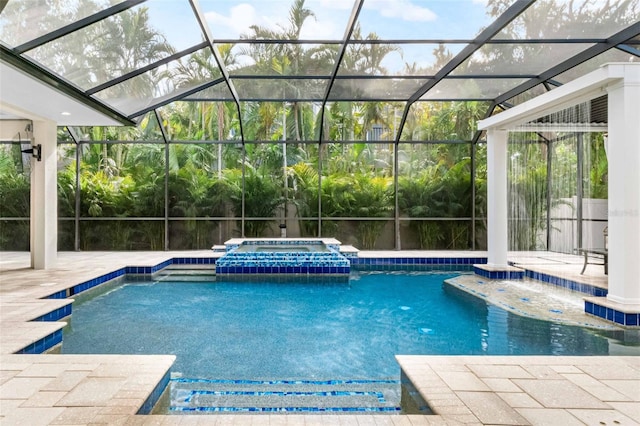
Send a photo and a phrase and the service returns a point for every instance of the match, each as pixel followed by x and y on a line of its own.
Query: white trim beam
pixel 583 89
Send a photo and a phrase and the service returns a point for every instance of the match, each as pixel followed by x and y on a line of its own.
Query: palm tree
pixel 286 58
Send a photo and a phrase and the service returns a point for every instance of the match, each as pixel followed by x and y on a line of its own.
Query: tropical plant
pixel 305 196
pixel 372 197
pixel 15 203
pixel 415 199
pixel 262 198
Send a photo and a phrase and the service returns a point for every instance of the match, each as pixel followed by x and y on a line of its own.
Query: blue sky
pixel 406 19
pixel 389 19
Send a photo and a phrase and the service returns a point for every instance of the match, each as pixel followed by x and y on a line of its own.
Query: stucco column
pixel 624 188
pixel 44 198
pixel 497 239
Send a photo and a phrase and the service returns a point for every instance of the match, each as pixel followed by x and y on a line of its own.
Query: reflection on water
pixel 309 330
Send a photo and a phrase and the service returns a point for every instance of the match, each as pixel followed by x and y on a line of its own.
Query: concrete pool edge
pixel 98 388
pixel 523 390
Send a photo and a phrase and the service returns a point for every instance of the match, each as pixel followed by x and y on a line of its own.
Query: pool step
pixel 301 396
pixel 199 273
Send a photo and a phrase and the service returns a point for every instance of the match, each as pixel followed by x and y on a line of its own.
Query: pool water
pixel 283 248
pixel 310 330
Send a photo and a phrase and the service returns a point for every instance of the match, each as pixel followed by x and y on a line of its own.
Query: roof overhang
pixel 23 96
pixel 583 89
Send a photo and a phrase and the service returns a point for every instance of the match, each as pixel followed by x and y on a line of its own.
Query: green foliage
pixel 597 173
pixel 262 197
pixel 442 190
pixel 14 203
pixel 121 180
pixel 67 191
pixel 359 196
pixel 305 196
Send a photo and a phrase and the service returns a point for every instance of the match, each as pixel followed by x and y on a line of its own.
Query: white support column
pixel 44 197
pixel 624 188
pixel 497 238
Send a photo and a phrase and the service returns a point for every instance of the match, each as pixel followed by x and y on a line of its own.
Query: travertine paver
pixel 549 416
pixel 630 409
pixel 489 408
pixel 603 417
pixel 596 388
pixel 548 397
pixel 542 372
pixel 463 381
pixel 76 416
pixel 630 388
pixel 66 382
pixel 559 394
pixel 93 392
pixel 22 387
pixel 67 397
pixel 43 370
pixel 501 385
pixel 610 372
pixel 500 371
pixel 519 400
pixel 43 399
pixel 32 416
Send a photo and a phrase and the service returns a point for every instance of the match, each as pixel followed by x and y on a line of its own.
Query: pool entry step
pixel 187 273
pixel 296 396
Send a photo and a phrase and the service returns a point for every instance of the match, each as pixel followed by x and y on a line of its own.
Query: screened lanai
pixel 178 124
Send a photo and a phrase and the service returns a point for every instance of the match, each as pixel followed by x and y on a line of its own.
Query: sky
pixel 405 19
pixel 389 19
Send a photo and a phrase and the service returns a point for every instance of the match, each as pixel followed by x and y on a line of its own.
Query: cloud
pixel 274 16
pixel 402 9
pixel 335 4
pixel 240 18
pixel 318 30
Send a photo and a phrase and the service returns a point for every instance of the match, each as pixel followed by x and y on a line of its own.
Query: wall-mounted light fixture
pixel 35 151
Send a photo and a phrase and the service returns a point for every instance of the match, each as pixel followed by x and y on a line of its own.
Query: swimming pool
pixel 227 333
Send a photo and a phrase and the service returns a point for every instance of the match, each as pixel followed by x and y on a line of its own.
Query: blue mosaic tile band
pixel 153 398
pixel 570 284
pixel 277 242
pixel 415 268
pixel 248 270
pixel 132 270
pixel 499 275
pixel 375 261
pixel 62 294
pixel 351 260
pixel 43 344
pixel 610 314
pixel 56 314
pixel 289 409
pixel 79 288
pixel 188 397
pixel 235 262
pixel 286 382
pixel 192 261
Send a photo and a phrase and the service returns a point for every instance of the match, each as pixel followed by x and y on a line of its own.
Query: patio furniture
pixel 595 256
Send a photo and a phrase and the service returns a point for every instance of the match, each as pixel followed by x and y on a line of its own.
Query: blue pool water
pixel 293 330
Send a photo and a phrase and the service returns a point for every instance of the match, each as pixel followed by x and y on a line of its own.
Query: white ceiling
pixel 22 96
